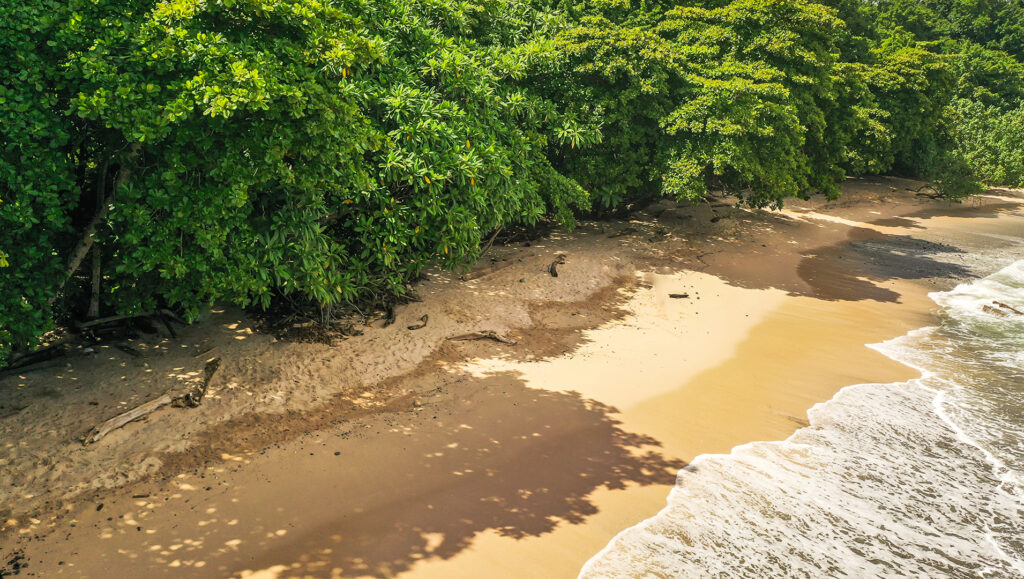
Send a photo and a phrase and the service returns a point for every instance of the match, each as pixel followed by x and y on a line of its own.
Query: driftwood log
pixel 485 335
pixel 1009 307
pixel 189 399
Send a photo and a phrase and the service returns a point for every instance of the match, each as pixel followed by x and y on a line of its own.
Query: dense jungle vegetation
pixel 184 151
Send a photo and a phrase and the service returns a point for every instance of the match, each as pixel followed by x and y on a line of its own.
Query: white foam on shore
pixel 919 478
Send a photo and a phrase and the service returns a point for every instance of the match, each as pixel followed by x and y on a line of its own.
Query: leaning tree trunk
pixel 89 234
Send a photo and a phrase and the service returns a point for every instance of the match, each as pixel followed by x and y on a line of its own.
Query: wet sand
pixel 524 460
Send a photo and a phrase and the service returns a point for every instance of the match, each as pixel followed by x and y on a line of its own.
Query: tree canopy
pixel 327 150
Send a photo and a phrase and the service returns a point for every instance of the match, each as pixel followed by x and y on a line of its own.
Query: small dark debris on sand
pixel 422 324
pixel 553 268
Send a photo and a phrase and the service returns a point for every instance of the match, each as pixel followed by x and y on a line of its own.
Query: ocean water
pixel 923 478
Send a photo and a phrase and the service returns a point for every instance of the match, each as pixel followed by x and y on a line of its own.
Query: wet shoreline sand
pixel 524 460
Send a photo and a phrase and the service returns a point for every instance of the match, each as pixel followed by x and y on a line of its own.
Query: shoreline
pixel 511 491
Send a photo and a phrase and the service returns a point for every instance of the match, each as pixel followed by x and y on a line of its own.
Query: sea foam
pixel 917 478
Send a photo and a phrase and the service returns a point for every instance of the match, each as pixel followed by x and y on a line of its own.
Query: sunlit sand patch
pixel 657 348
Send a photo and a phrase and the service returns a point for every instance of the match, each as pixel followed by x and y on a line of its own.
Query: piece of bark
pixel 553 268
pixel 679 296
pixel 422 324
pixel 485 335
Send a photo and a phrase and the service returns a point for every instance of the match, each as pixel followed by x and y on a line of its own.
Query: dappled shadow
pixel 518 469
pixel 488 454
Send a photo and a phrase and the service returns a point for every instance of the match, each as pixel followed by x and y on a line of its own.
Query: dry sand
pixel 399 452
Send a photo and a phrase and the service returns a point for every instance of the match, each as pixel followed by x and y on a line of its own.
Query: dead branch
pixel 194 396
pixel 422 324
pixel 1009 307
pixel 190 399
pixel 484 335
pixel 41 354
pixel 124 418
pixel 173 316
pixel 491 241
pixel 108 320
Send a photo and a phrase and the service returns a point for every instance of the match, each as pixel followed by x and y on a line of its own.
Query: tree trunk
pixel 89 235
pixel 94 303
pixel 97 252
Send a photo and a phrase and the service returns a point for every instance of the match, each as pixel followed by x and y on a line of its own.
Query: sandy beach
pixel 681 331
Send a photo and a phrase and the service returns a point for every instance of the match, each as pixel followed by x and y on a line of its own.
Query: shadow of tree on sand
pixel 859 266
pixel 511 459
pixel 856 268
pixel 488 454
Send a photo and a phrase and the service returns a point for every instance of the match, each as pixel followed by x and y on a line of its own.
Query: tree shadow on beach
pixel 513 460
pixel 493 456
pixel 858 267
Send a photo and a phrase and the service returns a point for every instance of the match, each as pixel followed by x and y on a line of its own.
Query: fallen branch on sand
pixel 485 335
pixel 422 324
pixel 190 399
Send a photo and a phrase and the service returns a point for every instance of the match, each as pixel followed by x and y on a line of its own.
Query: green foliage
pixel 990 141
pixel 693 97
pixel 38 188
pixel 328 150
pixel 995 24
